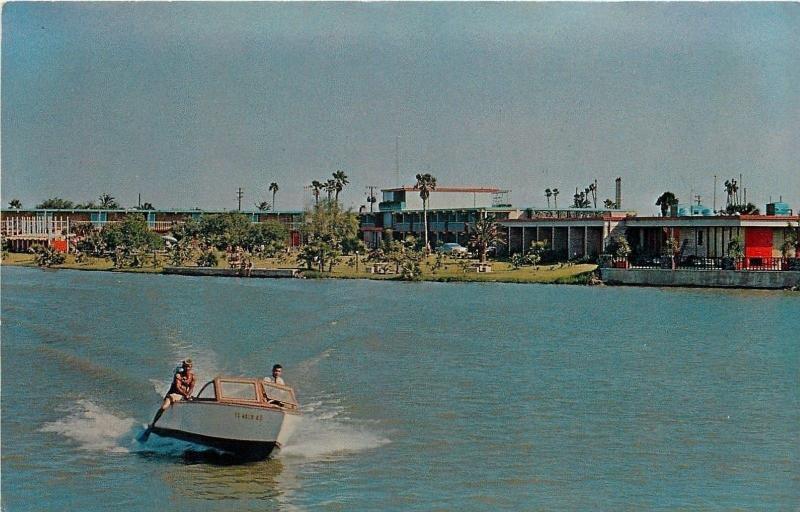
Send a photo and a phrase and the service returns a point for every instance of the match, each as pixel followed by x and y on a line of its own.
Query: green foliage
pixel 130 240
pixel 485 233
pixel 208 258
pixel 15 203
pixel 180 252
pixel 352 245
pixel 666 201
pixel 534 255
pixel 325 229
pixel 740 209
pixel 791 240
pixel 517 260
pixel 735 248
pixel 263 233
pixel 108 202
pixel 47 256
pixel 56 203
pixel 88 239
pixel 619 246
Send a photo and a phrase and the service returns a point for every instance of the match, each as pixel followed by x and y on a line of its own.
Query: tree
pixel 666 201
pixel 740 209
pixel 15 203
pixel 317 187
pixel 555 197
pixel 56 203
pixel 548 194
pixel 108 202
pixel 47 256
pixel 735 248
pixel 147 206
pixel 732 191
pixel 425 184
pixel 273 187
pixel 611 205
pixel 580 200
pixel 130 240
pixel 341 180
pixel 324 229
pixel 262 206
pixel 592 190
pixel 180 252
pixel 791 239
pixel 484 234
pixel 330 188
pixel 88 205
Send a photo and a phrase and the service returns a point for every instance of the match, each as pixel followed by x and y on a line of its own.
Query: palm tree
pixel 592 189
pixel 555 197
pixel 317 187
pixel 425 183
pixel 263 206
pixel 341 181
pixel 548 193
pixel 330 188
pixel 108 202
pixel 273 187
pixel 485 234
pixel 666 201
pixel 15 203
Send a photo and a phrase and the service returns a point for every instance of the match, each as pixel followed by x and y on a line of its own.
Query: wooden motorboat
pixel 248 417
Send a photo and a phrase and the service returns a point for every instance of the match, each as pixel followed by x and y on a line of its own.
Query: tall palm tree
pixel 273 187
pixel 341 180
pixel 15 203
pixel 666 201
pixel 317 188
pixel 108 202
pixel 548 193
pixel 425 183
pixel 484 234
pixel 330 188
pixel 555 197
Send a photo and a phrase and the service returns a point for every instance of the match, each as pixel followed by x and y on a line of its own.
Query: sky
pixel 185 102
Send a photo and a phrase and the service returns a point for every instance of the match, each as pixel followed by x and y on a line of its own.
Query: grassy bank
pixel 451 270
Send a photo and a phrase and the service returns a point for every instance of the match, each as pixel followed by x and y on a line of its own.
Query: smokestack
pixel 618 195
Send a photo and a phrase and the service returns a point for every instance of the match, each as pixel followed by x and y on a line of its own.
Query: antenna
pixel 397 159
pixel 715 195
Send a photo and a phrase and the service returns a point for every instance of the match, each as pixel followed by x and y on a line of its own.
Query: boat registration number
pixel 247 416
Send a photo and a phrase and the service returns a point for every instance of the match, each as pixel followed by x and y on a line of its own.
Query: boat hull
pixel 247 431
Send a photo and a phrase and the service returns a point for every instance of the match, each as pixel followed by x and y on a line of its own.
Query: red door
pixel 758 242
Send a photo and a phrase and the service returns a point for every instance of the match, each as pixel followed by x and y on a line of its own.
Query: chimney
pixel 618 196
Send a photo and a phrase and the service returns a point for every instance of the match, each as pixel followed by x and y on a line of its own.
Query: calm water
pixel 417 396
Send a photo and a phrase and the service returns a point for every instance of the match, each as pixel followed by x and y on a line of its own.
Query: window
pixel 238 390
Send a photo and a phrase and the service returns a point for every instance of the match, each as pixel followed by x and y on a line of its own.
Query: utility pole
pixel 715 195
pixel 239 196
pixel 371 199
pixel 397 159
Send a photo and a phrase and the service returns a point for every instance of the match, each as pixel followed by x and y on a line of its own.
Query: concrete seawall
pixel 701 278
pixel 232 272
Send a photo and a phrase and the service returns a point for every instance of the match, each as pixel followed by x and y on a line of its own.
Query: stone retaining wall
pixel 232 272
pixel 701 278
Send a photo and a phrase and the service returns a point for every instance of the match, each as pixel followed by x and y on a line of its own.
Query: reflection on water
pixel 209 475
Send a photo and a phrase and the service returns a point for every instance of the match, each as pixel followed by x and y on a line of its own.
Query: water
pixel 418 396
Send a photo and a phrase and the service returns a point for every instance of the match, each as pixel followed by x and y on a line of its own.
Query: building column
pixel 523 239
pixel 509 241
pixel 585 241
pixel 569 243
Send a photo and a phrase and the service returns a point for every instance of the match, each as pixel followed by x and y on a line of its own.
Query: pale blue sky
pixel 185 102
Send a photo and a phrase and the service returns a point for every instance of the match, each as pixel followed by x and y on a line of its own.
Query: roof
pixel 158 210
pixel 480 190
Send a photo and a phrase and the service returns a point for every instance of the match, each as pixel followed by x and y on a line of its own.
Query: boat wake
pixel 324 431
pixel 94 428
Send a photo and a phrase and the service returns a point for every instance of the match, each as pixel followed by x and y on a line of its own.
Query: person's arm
pixel 190 386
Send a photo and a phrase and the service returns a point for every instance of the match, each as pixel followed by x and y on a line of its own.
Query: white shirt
pixel 279 381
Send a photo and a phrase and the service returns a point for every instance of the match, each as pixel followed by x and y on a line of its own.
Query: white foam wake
pixel 94 428
pixel 324 432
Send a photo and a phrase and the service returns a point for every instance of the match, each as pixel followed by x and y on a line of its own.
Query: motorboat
pixel 248 417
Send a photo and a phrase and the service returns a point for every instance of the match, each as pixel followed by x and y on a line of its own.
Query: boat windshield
pixel 279 394
pixel 238 390
pixel 208 392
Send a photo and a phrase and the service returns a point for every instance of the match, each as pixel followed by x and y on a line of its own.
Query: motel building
pixel 570 233
pixel 451 210
pixel 704 238
pixel 26 227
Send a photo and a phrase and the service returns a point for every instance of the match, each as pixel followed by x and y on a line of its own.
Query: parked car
pixel 453 248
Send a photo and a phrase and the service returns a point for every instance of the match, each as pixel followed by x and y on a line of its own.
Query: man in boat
pixel 277 371
pixel 181 388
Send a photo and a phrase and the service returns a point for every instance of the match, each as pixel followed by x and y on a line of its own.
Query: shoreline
pixel 549 274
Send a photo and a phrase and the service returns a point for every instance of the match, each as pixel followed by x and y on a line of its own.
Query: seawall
pixel 232 272
pixel 701 278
